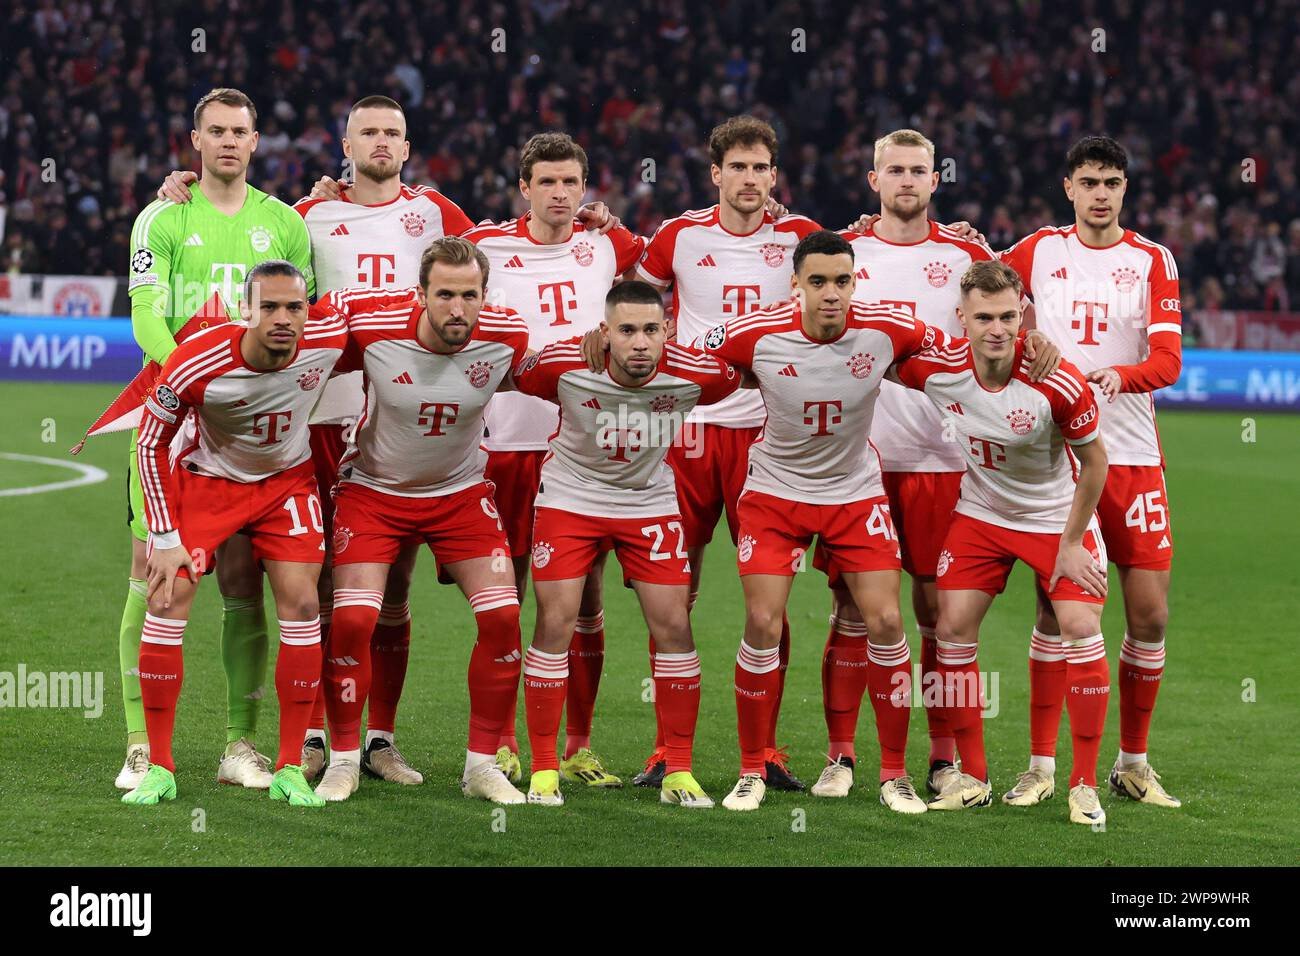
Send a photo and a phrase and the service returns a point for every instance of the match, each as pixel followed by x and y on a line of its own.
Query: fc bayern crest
pixel 945 559
pixel 583 254
pixel 746 548
pixel 860 364
pixel 414 224
pixel 310 379
pixel 1022 421
pixel 259 239
pixel 664 403
pixel 342 538
pixel 1126 279
pixel 938 274
pixel 773 253
pixel 479 373
pixel 542 554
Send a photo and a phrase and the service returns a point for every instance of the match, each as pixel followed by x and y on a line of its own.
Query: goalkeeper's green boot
pixel 289 784
pixel 158 784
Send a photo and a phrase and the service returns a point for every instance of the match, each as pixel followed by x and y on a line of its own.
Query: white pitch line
pixel 87 475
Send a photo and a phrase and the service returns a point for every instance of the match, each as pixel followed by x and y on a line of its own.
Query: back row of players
pixel 1106 295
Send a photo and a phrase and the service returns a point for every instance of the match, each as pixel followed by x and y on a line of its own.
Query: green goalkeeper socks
pixel 243 655
pixel 128 652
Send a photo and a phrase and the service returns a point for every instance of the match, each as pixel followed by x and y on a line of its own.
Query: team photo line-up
pixel 329 385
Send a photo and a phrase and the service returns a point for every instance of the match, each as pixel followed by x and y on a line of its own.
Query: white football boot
pixel 244 767
pixel 747 794
pixel 135 767
pixel 340 780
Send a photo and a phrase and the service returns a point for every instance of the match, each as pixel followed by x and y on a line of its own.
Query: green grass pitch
pixel 1223 736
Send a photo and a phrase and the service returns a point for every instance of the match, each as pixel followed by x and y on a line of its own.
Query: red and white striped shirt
pixel 1020 474
pixel 560 290
pixel 421 431
pixel 820 396
pixel 1117 307
pixel 251 424
pixel 608 456
pixel 718 276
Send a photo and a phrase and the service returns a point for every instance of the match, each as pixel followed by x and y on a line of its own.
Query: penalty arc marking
pixel 86 475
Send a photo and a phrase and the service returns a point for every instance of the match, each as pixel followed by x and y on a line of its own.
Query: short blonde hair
pixel 902 137
pixel 454 251
pixel 990 277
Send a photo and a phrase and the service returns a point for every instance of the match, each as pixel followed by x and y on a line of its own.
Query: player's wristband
pixel 165 541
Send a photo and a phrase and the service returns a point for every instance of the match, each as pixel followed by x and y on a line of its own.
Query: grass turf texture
pixel 1233 604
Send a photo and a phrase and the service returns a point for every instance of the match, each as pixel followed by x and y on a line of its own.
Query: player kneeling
pixel 253 388
pixel 433 356
pixel 605 484
pixel 1019 500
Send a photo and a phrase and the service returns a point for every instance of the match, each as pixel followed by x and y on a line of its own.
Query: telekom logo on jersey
pixel 982 450
pixel 271 426
pixel 376 269
pixel 437 414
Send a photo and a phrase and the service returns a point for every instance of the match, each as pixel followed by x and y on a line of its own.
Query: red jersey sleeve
pixel 1021 258
pixel 539 374
pixel 1074 407
pixel 1164 364
pixel 910 335
pixel 715 377
pixel 656 265
pixel 628 248
pixel 505 326
pixel 454 220
pixel 733 342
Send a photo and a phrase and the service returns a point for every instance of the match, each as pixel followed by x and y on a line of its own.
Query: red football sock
pixel 963 703
pixel 784 657
pixel 586 660
pixel 844 681
pixel 1141 666
pixel 297 677
pixel 390 648
pixel 1088 676
pixel 942 744
pixel 889 677
pixel 1046 692
pixel 546 682
pixel 677 701
pixel 493 665
pixel 345 667
pixel 757 682
pixel 162 671
pixel 317 721
pixel 659 724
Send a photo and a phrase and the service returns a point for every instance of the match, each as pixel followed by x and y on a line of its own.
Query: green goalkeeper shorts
pixel 135 497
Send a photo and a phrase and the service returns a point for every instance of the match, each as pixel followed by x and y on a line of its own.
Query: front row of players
pixel 433 356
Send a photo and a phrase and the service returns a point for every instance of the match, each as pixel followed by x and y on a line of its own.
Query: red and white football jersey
pixel 820 396
pixel 420 433
pixel 608 456
pixel 718 276
pixel 1020 473
pixel 250 424
pixel 560 288
pixel 354 246
pixel 922 279
pixel 1112 307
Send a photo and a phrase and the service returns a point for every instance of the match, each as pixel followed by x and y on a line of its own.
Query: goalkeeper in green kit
pixel 180 256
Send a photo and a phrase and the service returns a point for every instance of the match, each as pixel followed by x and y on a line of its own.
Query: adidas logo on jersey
pixel 706 261
pixel 194 240
pixel 1060 273
pixel 404 379
pixel 861 273
pixel 514 263
pixel 955 408
pixel 239 404
pixel 340 230
pixel 1164 543
pixel 789 372
pixel 591 403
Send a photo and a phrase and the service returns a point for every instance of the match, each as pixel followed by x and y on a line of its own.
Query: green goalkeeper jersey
pixel 183 252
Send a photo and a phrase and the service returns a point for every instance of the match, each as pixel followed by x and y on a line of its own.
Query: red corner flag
pixel 125 411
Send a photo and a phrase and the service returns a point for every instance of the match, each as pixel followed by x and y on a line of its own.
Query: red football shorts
pixel 516 475
pixel 373 527
pixel 710 463
pixel 775 535
pixel 978 556
pixel 651 550
pixel 327 448
pixel 1134 516
pixel 281 516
